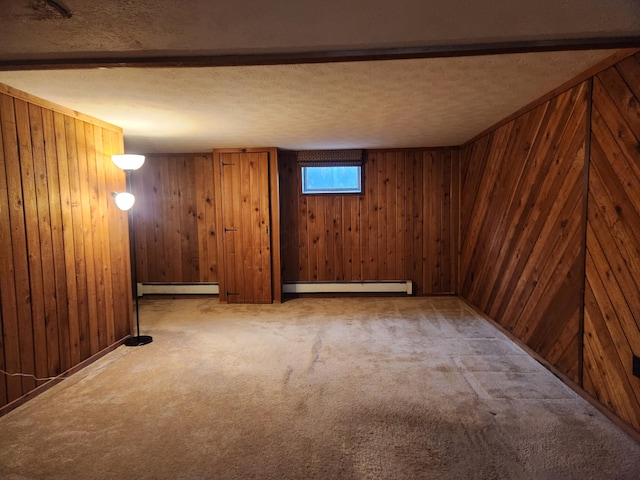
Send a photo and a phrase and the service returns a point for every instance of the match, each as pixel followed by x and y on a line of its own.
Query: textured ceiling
pixel 102 29
pixel 393 103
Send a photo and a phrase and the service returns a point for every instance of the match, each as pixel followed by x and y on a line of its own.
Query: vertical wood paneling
pixel 8 287
pixel 69 327
pixel 400 228
pixel 521 226
pixel 91 324
pixel 60 320
pixel 106 330
pixel 46 256
pixel 172 216
pixel 57 285
pixel 118 238
pixel 24 333
pixel 431 223
pixel 30 208
pixel 400 215
pixel 206 214
pixel 188 235
pixel 415 194
pixel 292 213
pixel 80 330
pixel 612 296
pixel 455 218
pixel 175 219
pixel 246 226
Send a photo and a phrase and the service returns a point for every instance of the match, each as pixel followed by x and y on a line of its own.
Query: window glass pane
pixel 331 179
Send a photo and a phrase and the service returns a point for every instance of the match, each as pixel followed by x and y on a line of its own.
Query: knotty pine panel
pixel 403 227
pixel 612 297
pixel 175 219
pixel 61 292
pixel 246 223
pixel 522 228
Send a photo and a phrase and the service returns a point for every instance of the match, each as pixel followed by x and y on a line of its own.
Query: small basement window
pixel 331 179
pixel 331 171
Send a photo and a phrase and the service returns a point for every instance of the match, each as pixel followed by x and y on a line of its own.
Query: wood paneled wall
pixel 404 226
pixel 175 219
pixel 612 296
pixel 249 222
pixel 64 263
pixel 550 229
pixel 522 204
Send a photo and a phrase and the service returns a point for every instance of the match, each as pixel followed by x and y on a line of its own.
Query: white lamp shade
pixel 128 161
pixel 124 200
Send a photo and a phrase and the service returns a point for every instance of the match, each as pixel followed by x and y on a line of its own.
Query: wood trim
pixel 27 97
pixel 217 193
pixel 586 75
pixel 46 386
pixel 564 378
pixel 133 59
pixel 274 213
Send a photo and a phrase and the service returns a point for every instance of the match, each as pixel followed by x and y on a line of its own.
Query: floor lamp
pixel 124 201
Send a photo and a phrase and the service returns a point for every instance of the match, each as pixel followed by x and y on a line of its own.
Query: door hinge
pixel 267 229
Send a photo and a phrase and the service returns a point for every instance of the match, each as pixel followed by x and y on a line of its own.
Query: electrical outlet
pixel 636 366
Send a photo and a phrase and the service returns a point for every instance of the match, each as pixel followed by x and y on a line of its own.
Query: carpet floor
pixel 355 388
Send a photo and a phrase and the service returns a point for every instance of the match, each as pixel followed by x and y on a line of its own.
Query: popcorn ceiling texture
pixel 376 104
pixel 34 29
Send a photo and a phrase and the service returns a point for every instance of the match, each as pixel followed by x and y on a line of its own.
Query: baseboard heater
pixel 404 286
pixel 177 289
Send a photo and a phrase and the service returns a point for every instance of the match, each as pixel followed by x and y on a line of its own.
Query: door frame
pixel 274 219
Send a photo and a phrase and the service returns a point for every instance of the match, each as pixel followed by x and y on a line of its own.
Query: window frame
pixel 333 191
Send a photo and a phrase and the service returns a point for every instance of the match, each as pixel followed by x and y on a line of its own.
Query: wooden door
pixel 246 229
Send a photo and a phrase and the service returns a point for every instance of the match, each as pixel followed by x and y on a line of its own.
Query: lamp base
pixel 138 341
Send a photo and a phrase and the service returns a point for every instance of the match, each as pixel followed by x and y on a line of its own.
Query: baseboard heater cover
pixel 404 286
pixel 177 289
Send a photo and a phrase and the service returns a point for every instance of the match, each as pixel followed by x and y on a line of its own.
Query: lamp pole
pixel 138 340
pixel 125 201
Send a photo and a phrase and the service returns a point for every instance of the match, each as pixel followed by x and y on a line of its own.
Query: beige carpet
pixel 360 388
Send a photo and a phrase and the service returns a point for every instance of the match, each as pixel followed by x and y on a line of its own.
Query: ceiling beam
pixel 156 60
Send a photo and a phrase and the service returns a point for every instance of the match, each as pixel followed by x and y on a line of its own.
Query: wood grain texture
pixel 403 227
pixel 612 296
pixel 206 214
pixel 175 219
pixel 248 222
pixel 521 226
pixel 60 292
pixel 274 223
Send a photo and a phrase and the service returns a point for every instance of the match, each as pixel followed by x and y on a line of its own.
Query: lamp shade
pixel 124 200
pixel 128 161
